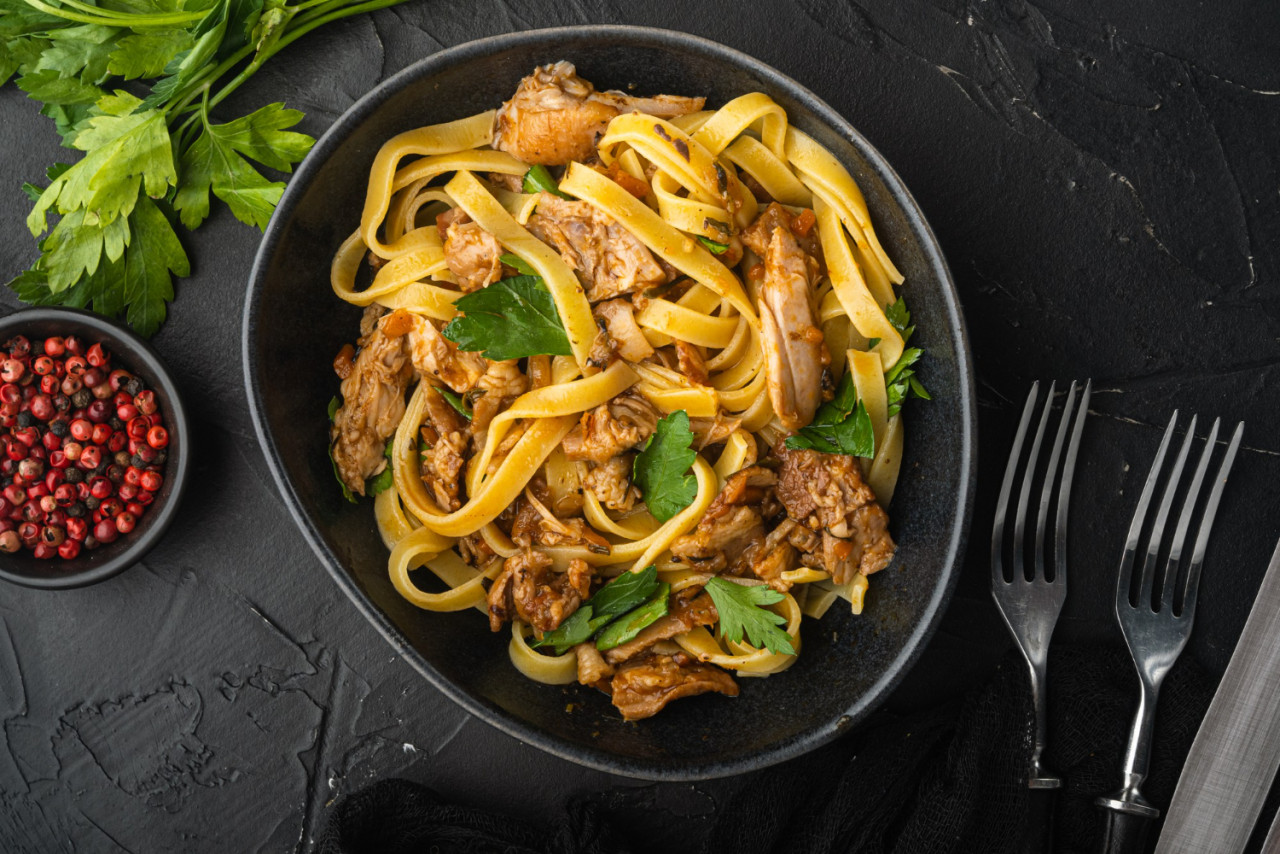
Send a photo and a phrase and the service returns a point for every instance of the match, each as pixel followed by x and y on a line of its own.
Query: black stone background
pixel 1104 181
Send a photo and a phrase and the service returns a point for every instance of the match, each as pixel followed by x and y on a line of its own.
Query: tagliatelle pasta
pixel 640 404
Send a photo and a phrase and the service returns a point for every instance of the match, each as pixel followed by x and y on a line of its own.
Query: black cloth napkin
pixel 946 780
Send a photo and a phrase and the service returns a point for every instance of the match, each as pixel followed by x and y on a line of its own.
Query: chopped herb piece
pixel 334 405
pixel 509 319
pixel 626 627
pixel 518 264
pixel 840 426
pixel 741 613
pixel 457 402
pixel 617 597
pixel 538 180
pixel 661 468
pixel 715 248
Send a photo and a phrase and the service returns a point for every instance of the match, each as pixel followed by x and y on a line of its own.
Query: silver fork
pixel 1030 607
pixel 1155 622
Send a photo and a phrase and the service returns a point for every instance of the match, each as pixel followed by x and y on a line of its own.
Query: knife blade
pixel 1237 748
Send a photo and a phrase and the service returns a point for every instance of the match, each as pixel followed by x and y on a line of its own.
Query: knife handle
pixel 1037 836
pixel 1125 833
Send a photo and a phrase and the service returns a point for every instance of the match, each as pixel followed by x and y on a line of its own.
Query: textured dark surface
pixel 848 664
pixel 1103 179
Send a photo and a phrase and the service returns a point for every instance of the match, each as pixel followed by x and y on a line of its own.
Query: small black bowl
pixel 293 326
pixel 136 356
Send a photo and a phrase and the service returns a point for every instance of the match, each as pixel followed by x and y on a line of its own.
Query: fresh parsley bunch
pixel 130 83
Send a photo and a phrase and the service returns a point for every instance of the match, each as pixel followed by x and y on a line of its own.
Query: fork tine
pixel 1002 506
pixel 1024 494
pixel 1050 477
pixel 1146 583
pixel 1210 510
pixel 1124 582
pixel 1064 491
pixel 1184 518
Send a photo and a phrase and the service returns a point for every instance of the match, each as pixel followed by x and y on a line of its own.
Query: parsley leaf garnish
pixel 840 426
pixel 626 627
pixel 661 468
pixel 900 380
pixel 740 613
pixel 609 602
pixel 509 319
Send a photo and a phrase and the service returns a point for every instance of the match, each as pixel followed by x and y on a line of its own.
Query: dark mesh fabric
pixel 945 781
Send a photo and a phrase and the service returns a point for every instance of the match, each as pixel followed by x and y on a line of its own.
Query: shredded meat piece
pixel 555 116
pixel 692 366
pixel 475 550
pixel 767 559
pixel 620 320
pixel 436 356
pixel 372 405
pixel 603 352
pixel 501 384
pixel 826 493
pixel 795 354
pixel 609 260
pixel 442 463
pixel 610 483
pixel 711 431
pixel 534 523
pixel 530 589
pixel 608 430
pixel 592 668
pixel 730 525
pixel 507 181
pixel 643 688
pixel 472 255
pixel 759 234
pixel 690 607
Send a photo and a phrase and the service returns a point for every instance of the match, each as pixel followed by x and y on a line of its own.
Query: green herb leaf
pixel 617 597
pixel 214 162
pixel 456 402
pixel 715 248
pixel 538 180
pixel 901 319
pixel 381 481
pixel 625 592
pixel 741 614
pixel 146 54
pixel 509 319
pixel 518 264
pixel 334 405
pixel 154 254
pixel 840 426
pixel 661 468
pixel 626 627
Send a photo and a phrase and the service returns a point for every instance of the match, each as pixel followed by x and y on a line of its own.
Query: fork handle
pixel 1037 837
pixel 1125 833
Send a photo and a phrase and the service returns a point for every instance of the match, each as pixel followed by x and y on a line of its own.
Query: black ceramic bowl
pixel 136 356
pixel 293 327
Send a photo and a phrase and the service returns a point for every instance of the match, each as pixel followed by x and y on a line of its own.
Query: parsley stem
pixel 302 25
pixel 111 18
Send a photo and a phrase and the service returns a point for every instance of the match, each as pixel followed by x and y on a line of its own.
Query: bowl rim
pixel 175 469
pixel 494 715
